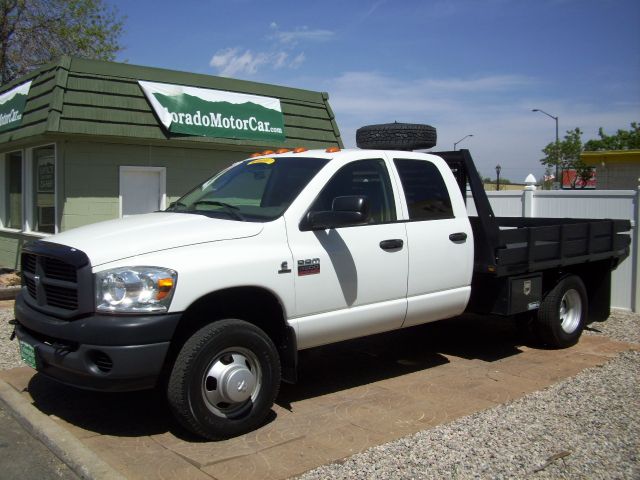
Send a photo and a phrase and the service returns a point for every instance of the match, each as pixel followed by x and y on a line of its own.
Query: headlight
pixel 135 289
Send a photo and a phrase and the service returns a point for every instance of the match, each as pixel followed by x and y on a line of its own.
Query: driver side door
pixel 351 281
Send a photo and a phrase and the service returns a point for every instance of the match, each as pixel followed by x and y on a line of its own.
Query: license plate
pixel 28 354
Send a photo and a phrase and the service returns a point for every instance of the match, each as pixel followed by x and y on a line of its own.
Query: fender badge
pixel 309 266
pixel 284 268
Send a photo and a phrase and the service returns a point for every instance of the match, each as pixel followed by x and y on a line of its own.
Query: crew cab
pixel 213 298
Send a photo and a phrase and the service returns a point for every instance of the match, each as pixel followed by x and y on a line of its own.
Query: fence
pixel 619 204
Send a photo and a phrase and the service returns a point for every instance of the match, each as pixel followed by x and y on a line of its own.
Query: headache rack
pixel 507 246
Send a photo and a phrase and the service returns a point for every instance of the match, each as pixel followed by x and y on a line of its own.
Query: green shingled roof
pixel 91 97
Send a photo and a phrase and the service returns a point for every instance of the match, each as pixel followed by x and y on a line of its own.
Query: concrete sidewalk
pixel 351 396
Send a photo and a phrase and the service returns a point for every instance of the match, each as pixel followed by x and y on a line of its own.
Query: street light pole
pixel 456 143
pixel 557 140
pixel 498 168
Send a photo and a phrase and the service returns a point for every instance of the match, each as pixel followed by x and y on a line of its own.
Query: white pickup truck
pixel 213 298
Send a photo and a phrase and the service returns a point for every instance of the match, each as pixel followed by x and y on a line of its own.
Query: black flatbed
pixel 507 246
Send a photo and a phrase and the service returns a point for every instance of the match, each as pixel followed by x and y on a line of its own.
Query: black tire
pixel 396 136
pixel 563 313
pixel 216 368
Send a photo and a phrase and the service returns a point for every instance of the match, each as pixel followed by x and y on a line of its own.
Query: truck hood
pixel 117 239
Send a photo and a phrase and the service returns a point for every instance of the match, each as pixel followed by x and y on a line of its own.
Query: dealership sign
pixel 215 113
pixel 12 105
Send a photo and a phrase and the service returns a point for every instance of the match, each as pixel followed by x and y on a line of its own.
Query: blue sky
pixel 463 66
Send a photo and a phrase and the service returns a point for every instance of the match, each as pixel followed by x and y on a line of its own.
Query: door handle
pixel 458 237
pixel 393 244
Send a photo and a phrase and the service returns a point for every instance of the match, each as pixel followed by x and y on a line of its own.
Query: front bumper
pixel 99 352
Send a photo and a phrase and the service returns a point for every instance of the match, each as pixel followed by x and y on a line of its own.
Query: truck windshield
pixel 255 190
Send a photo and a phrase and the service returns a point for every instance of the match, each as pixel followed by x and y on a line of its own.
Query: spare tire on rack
pixel 396 136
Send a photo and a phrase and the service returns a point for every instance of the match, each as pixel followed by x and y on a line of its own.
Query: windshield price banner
pixel 215 113
pixel 12 105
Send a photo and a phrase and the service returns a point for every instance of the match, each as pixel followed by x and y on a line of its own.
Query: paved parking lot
pixel 351 396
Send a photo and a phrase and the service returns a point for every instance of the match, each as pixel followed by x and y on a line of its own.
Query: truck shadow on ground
pixel 322 370
pixel 362 361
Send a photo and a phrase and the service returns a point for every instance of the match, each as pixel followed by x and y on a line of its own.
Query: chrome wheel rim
pixel 231 382
pixel 570 311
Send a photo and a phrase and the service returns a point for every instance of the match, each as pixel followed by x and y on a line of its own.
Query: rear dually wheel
pixel 563 313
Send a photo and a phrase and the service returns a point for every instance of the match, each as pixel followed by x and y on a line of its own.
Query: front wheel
pixel 563 313
pixel 224 380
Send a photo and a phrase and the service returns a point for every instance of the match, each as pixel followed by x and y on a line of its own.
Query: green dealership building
pixel 83 141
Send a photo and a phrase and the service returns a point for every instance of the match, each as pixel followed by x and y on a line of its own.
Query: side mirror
pixel 346 211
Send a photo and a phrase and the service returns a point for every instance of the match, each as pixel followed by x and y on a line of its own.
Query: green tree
pixel 35 32
pixel 621 140
pixel 567 156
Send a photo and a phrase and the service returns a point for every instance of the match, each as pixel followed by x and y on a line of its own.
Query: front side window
pixel 257 190
pixel 426 193
pixel 44 174
pixel 365 178
pixel 14 189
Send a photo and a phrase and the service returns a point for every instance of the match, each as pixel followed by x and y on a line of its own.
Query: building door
pixel 142 190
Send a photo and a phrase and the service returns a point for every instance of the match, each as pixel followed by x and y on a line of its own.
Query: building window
pixel 14 190
pixel 44 181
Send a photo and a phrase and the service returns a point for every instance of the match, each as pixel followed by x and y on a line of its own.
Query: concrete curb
pixel 9 293
pixel 80 459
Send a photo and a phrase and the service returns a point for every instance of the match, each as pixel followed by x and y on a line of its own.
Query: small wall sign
pixel 12 104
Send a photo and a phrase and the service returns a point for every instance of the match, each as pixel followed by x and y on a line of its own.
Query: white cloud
pixel 373 8
pixel 232 62
pixel 302 34
pixel 299 60
pixel 222 58
pixel 482 84
pixel 496 109
pixel 365 93
pixel 280 52
pixel 280 59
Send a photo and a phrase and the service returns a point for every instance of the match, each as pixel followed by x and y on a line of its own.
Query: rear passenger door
pixel 440 241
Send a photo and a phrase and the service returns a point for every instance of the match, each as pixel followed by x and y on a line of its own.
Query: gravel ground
pixel 587 426
pixel 621 325
pixel 9 356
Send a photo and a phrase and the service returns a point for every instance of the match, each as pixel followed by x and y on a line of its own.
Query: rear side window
pixel 425 190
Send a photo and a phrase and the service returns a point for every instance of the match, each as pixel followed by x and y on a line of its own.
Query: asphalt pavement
pixel 39 463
